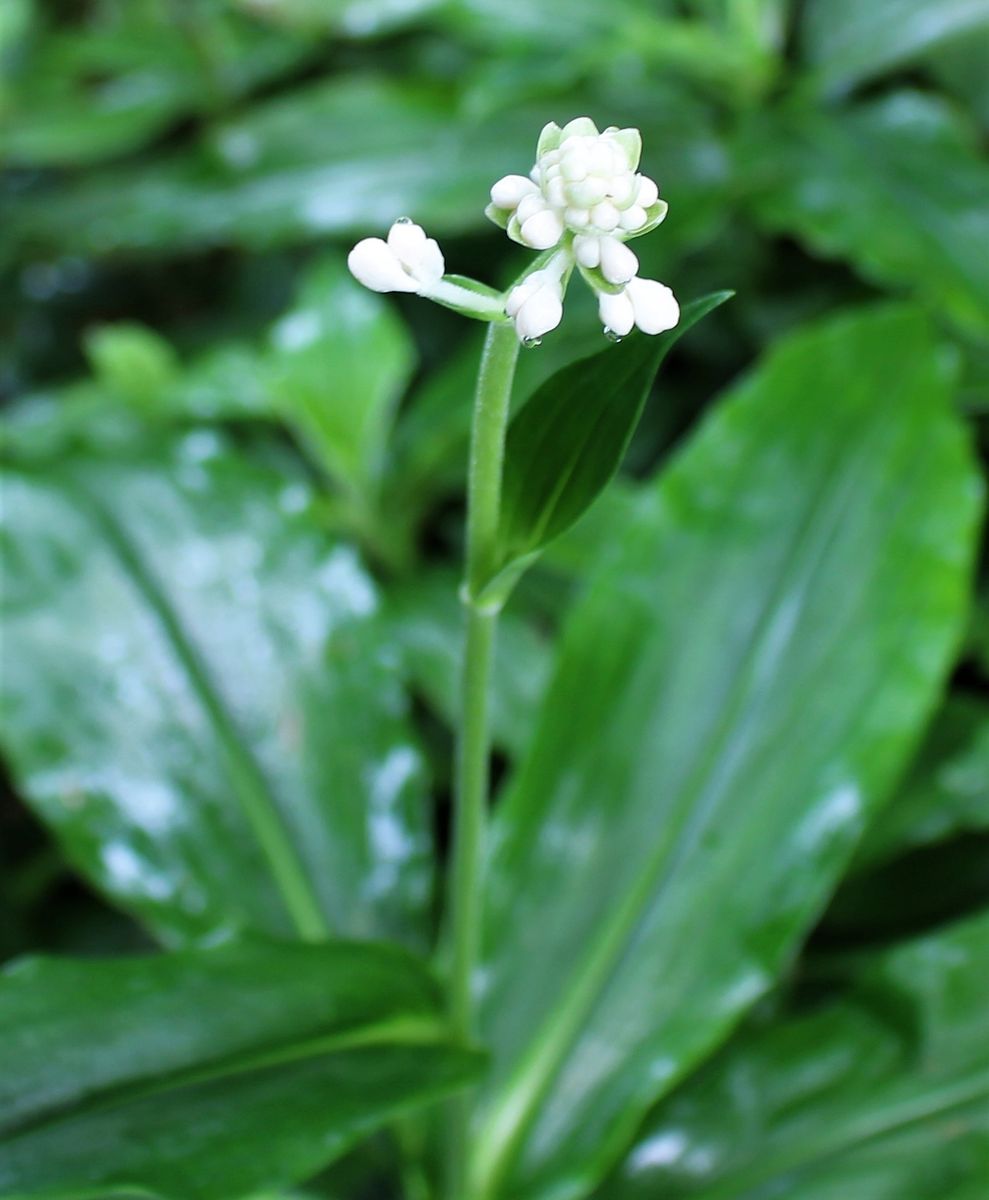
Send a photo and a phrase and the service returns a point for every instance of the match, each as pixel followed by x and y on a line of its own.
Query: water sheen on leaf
pixel 240 753
pixel 883 1095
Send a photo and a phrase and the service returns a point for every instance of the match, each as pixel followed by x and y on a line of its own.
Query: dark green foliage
pixel 735 941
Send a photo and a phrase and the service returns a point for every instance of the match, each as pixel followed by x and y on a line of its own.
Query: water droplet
pixel 531 343
pixel 612 336
pixel 404 221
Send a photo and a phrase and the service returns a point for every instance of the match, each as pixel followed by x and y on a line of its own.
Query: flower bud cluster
pixel 583 200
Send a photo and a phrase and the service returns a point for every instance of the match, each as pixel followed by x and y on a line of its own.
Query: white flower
pixel 644 303
pixel 584 182
pixel 584 199
pixel 407 262
pixel 580 204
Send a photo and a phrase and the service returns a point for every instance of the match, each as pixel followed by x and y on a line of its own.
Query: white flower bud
pixel 648 192
pixel 633 218
pixel 542 230
pixel 616 313
pixel 654 305
pixel 605 216
pixel 407 262
pixel 374 264
pixel 536 305
pixel 618 263
pixel 509 192
pixel 587 250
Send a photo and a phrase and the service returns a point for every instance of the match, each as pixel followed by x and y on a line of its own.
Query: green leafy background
pixel 735 941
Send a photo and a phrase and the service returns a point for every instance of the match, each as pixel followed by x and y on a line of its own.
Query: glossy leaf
pixel 882 1096
pixel 848 41
pixel 566 444
pixel 897 186
pixel 203 1075
pixel 753 656
pixel 239 754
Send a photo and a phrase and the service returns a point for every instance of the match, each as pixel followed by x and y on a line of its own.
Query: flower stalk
pixel 582 202
pixel 490 421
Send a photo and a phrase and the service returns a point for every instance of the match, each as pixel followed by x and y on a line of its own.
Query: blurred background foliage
pixel 181 180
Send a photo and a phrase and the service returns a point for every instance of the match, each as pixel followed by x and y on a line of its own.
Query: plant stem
pixel 491 408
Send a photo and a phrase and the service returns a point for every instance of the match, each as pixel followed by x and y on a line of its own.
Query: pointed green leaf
pixel 567 442
pixel 208 1074
pixel 755 653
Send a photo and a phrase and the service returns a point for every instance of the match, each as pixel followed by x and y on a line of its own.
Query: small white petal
pixel 508 192
pixel 373 263
pixel 605 216
pixel 633 218
pixel 529 206
pixel 616 312
pixel 574 164
pixel 648 193
pixel 407 240
pixel 431 266
pixel 618 263
pixel 587 250
pixel 543 230
pixel 600 159
pixel 623 190
pixel 556 192
pixel 654 305
pixel 577 218
pixel 418 255
pixel 587 192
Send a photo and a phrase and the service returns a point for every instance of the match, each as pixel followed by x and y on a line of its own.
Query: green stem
pixel 491 409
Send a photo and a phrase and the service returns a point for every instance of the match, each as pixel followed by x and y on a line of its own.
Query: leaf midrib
pixel 250 785
pixel 404 1031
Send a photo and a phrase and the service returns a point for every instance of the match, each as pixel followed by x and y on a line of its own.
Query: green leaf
pixel 754 654
pixel 947 791
pixel 198 703
pixel 207 1074
pixel 565 445
pixel 91 90
pixel 897 186
pixel 882 1096
pixel 848 41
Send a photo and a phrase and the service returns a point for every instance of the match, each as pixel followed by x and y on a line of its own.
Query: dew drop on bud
pixel 404 221
pixel 531 343
pixel 612 336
